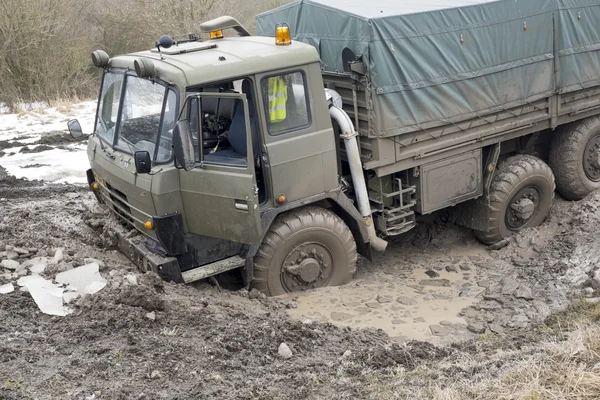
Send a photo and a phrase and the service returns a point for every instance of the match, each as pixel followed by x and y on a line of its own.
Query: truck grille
pixel 120 205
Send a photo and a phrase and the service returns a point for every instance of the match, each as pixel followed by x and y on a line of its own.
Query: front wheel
pixel 305 248
pixel 520 197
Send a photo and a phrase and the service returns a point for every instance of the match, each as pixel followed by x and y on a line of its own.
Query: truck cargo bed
pixel 449 77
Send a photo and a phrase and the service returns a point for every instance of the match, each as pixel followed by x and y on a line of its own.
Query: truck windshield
pixel 147 117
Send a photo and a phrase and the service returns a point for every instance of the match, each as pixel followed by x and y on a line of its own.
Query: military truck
pixel 287 153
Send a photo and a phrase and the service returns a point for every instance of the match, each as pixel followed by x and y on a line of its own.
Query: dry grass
pixel 561 361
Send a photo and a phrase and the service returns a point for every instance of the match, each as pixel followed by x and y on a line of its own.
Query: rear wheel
pixel 520 197
pixel 305 248
pixel 575 158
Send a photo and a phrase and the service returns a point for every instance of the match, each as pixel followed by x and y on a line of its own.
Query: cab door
pixel 220 195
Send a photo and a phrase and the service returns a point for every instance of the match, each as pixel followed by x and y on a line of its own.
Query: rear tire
pixel 575 158
pixel 520 197
pixel 305 248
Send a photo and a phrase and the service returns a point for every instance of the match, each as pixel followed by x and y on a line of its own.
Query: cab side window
pixel 286 102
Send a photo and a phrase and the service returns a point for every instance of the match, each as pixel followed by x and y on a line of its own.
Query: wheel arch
pixel 335 201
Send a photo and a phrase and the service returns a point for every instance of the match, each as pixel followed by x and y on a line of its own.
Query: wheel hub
pixel 591 160
pixel 308 270
pixel 307 266
pixel 522 207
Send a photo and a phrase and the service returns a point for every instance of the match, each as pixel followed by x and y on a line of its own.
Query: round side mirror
pixel 75 129
pixel 183 146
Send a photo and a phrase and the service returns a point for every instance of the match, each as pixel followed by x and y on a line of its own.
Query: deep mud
pixel 145 338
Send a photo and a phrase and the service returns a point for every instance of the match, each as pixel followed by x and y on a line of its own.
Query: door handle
pixel 241 205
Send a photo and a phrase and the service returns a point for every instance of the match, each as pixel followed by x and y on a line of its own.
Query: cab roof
pixel 232 57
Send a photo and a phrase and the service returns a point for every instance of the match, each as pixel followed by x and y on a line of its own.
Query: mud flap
pixel 473 214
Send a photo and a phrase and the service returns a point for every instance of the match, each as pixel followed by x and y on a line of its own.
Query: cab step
pixel 215 268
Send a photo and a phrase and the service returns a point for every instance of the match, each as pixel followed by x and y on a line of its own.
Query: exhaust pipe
pixel 356 170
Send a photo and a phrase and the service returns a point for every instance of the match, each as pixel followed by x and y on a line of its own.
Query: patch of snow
pixel 57 165
pixel 85 279
pixel 47 295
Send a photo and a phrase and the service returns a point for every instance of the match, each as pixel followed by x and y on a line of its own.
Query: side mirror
pixel 183 146
pixel 143 162
pixel 75 129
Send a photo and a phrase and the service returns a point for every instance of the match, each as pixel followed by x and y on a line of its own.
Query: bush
pixel 45 45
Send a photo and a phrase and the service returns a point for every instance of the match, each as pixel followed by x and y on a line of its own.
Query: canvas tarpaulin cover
pixel 435 62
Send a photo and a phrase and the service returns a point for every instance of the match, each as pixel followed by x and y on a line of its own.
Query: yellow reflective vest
pixel 277 99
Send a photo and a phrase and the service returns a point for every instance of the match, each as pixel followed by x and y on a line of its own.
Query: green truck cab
pixel 287 156
pixel 247 168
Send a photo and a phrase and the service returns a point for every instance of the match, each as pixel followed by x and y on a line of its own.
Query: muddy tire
pixel 520 197
pixel 575 158
pixel 304 248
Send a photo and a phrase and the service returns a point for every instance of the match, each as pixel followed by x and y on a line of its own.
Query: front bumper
pixel 169 242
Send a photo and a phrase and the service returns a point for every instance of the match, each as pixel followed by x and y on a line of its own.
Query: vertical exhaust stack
pixel 356 170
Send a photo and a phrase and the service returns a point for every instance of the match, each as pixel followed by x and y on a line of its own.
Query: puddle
pixel 400 298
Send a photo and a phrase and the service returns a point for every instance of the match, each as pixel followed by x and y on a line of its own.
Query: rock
pixel 407 301
pixel 20 250
pixel 446 323
pixel 496 328
pixel 373 305
pixel 499 245
pixel 493 297
pixel 419 319
pixel 131 279
pixel 451 268
pixel 464 267
pixel 58 256
pixel 340 316
pixel 254 294
pixel 10 264
pixel 384 299
pixel 438 330
pixel 151 316
pixel 398 322
pixel 346 354
pixel 588 292
pixel 89 260
pixel 432 274
pixel 437 282
pixel 521 262
pixel 476 328
pixel 523 292
pixel 597 276
pixel 8 288
pixel 307 321
pixel 593 300
pixel 8 247
pixel 484 283
pixel 155 375
pixel 509 285
pixel 284 351
pixel 12 255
